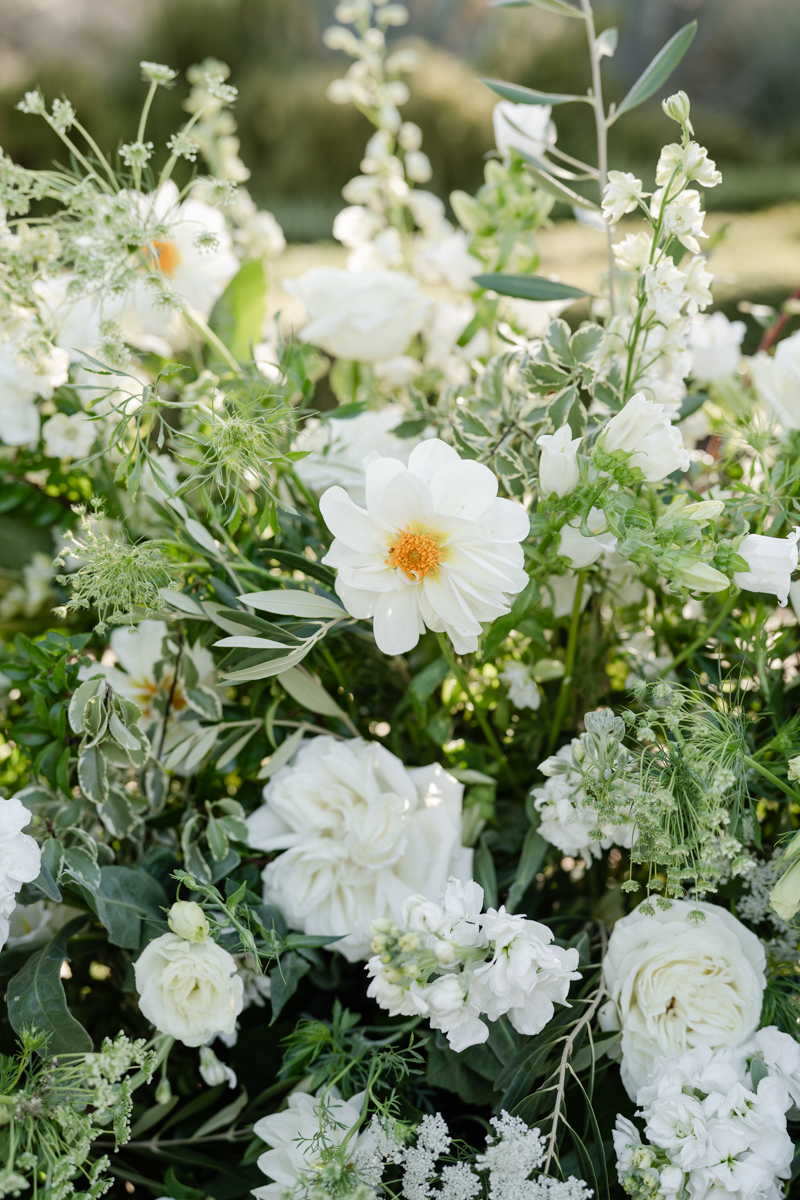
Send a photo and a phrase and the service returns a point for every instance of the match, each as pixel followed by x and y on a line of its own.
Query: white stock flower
pixel 715 346
pixel 526 975
pixel 189 990
pixel 68 437
pixel 20 858
pixel 676 984
pixel 445 1006
pixel 336 448
pixel 524 127
pixel 566 822
pixel 29 367
pixel 295 1144
pixel 212 1071
pixel 583 551
pixel 665 288
pixel 622 195
pixel 698 286
pixel 633 252
pixel 777 380
pixel 435 547
pixel 678 165
pixel 558 462
pixel 682 217
pixel 361 833
pixel 780 1053
pixel 356 225
pixel 523 691
pixel 771 562
pixel 367 316
pixel 644 430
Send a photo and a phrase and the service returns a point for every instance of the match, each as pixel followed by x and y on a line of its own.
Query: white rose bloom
pixel 435 547
pixel 683 217
pixel 583 551
pixel 524 127
pixel 25 374
pixel 189 990
pixel 644 430
pixel 715 344
pixel 558 462
pixel 69 437
pixel 294 1141
pixel 777 381
pixel 523 691
pixel 622 195
pixel 566 822
pixel 677 984
pixel 338 448
pixel 665 288
pixel 633 252
pixel 20 858
pixel 361 833
pixel 365 317
pixel 771 563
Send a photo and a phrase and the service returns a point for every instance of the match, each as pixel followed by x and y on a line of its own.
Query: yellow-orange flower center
pixel 163 256
pixel 415 554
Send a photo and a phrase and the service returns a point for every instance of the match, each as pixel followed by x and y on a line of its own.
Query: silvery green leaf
pixel 283 754
pixel 561 7
pixel 80 698
pixel 275 666
pixel 659 70
pixel 80 864
pixel 202 745
pixel 183 602
pixel 92 774
pixel 230 754
pixel 226 1116
pixel 307 690
pixel 558 189
pixel 123 736
pixel 247 641
pixel 294 604
pixel 156 785
pixel 206 701
pixel 203 538
pixel 117 814
pixel 524 95
pixel 217 839
pixel 529 287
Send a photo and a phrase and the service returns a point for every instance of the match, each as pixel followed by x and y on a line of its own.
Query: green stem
pixel 712 629
pixel 569 664
pixel 100 156
pixel 784 787
pixel 200 326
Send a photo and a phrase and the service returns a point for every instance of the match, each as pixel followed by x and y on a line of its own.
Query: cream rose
pixel 190 990
pixel 676 984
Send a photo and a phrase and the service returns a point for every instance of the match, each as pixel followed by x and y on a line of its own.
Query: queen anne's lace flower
pixel 435 547
pixel 566 821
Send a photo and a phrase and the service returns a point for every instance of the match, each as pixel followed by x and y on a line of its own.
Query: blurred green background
pixel 741 73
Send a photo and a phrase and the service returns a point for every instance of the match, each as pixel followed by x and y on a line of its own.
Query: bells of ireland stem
pixel 785 896
pixel 771 562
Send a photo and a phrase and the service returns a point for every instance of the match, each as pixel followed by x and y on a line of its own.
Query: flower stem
pixel 712 628
pixel 601 126
pixel 569 665
pixel 779 783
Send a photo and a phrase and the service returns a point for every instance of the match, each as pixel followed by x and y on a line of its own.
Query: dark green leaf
pixel 36 996
pixel 534 849
pixel 284 979
pixel 529 287
pixel 124 898
pixel 660 69
pixel 485 873
pixel 424 684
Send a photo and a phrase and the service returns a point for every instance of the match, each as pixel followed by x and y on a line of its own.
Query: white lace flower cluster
pixel 20 858
pixel 452 964
pixel 713 1127
pixel 566 820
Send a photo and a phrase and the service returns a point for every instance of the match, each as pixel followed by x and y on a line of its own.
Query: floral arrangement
pixel 400 738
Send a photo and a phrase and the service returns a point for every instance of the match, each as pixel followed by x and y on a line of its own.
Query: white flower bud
pixel 558 463
pixel 336 37
pixel 418 166
pixel 188 920
pixel 213 1071
pixel 677 107
pixel 410 136
pixel 699 576
pixel 404 60
pixel 393 14
pixel 771 562
pixel 163 1091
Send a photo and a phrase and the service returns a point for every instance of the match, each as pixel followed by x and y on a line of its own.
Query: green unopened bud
pixel 793 774
pixel 469 212
pixel 188 920
pixel 704 510
pixel 677 107
pixel 699 576
pixel 163 1092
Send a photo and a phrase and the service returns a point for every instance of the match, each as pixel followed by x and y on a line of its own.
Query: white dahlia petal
pixel 464 489
pixel 347 521
pixel 431 456
pixel 397 624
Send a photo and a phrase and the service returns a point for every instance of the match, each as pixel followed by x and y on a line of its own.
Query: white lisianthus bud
pixel 771 562
pixel 677 107
pixel 558 463
pixel 188 920
pixel 699 576
pixel 622 195
pixel 785 896
pixel 410 136
pixel 212 1071
pixel 704 510
pixel 643 430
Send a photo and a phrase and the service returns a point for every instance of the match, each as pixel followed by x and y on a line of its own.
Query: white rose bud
pixel 189 990
pixel 188 920
pixel 771 562
pixel 558 463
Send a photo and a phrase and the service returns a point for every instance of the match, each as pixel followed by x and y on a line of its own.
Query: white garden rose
pixel 361 833
pixel 189 990
pixel 293 1137
pixel 677 983
pixel 365 316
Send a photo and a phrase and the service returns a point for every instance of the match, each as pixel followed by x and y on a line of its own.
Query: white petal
pixel 396 623
pixel 378 474
pixel 447 603
pixel 347 521
pixel 506 521
pixel 464 489
pixel 358 603
pixel 430 456
pixel 406 501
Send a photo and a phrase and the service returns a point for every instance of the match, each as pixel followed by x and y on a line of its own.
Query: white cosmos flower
pixel 435 547
pixel 29 367
pixel 677 984
pixel 771 561
pixel 20 858
pixel 523 691
pixel 715 345
pixel 566 822
pixel 189 990
pixel 524 127
pixel 777 380
pixel 360 834
pixel 336 448
pixel 644 430
pixel 69 437
pixel 622 195
pixel 582 551
pixel 558 462
pixel 366 316
pixel 293 1138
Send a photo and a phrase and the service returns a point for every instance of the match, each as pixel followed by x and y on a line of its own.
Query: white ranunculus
pixel 558 462
pixel 777 381
pixel 29 368
pixel 189 990
pixel 715 344
pixel 435 547
pixel 523 691
pixel 364 316
pixel 20 858
pixel 524 127
pixel 583 551
pixel 771 563
pixel 643 430
pixel 566 821
pixel 293 1137
pixel 676 984
pixel 337 448
pixel 69 437
pixel 622 195
pixel 360 834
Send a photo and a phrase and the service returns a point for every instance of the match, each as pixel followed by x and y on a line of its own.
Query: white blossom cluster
pixel 714 1125
pixel 20 858
pixel 452 964
pixel 566 820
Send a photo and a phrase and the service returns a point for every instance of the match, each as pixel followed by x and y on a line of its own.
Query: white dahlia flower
pixel 360 834
pixel 29 367
pixel 435 547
